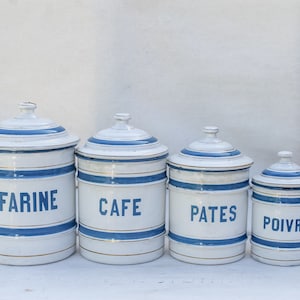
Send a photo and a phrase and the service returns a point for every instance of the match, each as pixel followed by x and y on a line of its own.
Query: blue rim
pixel 150 140
pixel 14 232
pixel 121 235
pixel 208 187
pixel 35 151
pixel 283 245
pixel 121 180
pixel 283 200
pixel 206 242
pixel 275 188
pixel 205 171
pixel 32 131
pixel 268 172
pixel 29 174
pixel 210 154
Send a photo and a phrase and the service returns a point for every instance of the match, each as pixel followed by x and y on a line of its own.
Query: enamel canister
pixel 208 201
pixel 37 190
pixel 122 190
pixel 276 213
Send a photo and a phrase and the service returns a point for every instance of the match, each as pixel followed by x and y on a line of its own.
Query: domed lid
pixel 210 153
pixel 27 132
pixel 284 173
pixel 122 141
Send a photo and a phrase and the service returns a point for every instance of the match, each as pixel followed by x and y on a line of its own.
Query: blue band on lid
pixel 268 172
pixel 32 131
pixel 210 154
pixel 283 200
pixel 150 140
pixel 279 188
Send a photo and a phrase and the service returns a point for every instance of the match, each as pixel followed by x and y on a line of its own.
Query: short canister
pixel 121 195
pixel 276 213
pixel 208 200
pixel 37 190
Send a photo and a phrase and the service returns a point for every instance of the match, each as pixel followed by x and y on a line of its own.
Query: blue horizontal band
pixel 206 242
pixel 268 172
pixel 28 174
pixel 121 235
pixel 122 143
pixel 32 131
pixel 122 160
pixel 277 188
pixel 283 200
pixel 208 187
pixel 15 232
pixel 121 180
pixel 286 245
pixel 34 151
pixel 204 171
pixel 210 154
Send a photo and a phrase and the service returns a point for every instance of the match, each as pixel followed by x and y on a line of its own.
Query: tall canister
pixel 121 185
pixel 208 200
pixel 276 213
pixel 37 190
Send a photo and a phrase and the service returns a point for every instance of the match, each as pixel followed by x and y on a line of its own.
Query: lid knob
pixel 27 110
pixel 285 156
pixel 122 120
pixel 211 132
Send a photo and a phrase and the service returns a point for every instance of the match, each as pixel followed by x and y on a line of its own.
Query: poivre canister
pixel 276 213
pixel 37 190
pixel 122 190
pixel 208 201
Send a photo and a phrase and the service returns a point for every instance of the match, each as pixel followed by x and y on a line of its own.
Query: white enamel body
pixel 122 201
pixel 208 202
pixel 37 197
pixel 276 214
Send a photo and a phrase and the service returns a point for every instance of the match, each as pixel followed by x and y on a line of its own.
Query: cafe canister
pixel 276 213
pixel 208 201
pixel 121 195
pixel 37 190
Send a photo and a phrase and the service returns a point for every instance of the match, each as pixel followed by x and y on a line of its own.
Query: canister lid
pixel 210 153
pixel 122 141
pixel 27 132
pixel 284 173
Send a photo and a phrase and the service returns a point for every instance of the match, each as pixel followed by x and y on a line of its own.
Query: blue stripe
pixel 206 242
pixel 280 174
pixel 204 171
pixel 210 154
pixel 286 245
pixel 120 180
pixel 122 143
pixel 121 235
pixel 32 131
pixel 28 174
pixel 34 151
pixel 122 160
pixel 277 188
pixel 283 200
pixel 208 187
pixel 37 231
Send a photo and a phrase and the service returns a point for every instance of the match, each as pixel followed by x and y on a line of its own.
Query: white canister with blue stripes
pixel 208 200
pixel 37 190
pixel 276 213
pixel 122 191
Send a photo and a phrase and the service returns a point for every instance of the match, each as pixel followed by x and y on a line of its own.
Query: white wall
pixel 175 65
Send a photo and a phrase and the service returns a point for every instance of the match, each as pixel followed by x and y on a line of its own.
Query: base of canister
pixel 275 256
pixel 207 255
pixel 27 251
pixel 118 252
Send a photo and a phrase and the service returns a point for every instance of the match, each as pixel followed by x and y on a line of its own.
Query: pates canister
pixel 37 190
pixel 276 213
pixel 208 200
pixel 122 190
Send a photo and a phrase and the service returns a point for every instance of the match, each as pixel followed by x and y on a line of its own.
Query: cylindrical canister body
pixel 276 213
pixel 37 191
pixel 208 200
pixel 122 196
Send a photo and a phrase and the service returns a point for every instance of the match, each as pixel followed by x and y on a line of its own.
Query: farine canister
pixel 37 190
pixel 276 213
pixel 208 201
pixel 122 190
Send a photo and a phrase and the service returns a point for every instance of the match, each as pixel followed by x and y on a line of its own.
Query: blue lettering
pixel 114 208
pixel 24 201
pixel 101 202
pixel 194 211
pixel 289 224
pixel 297 227
pixel 223 214
pixel 13 203
pixel 2 200
pixel 203 216
pixel 275 224
pixel 232 211
pixel 213 209
pixel 43 201
pixel 34 207
pixel 135 211
pixel 124 206
pixel 267 221
pixel 53 199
